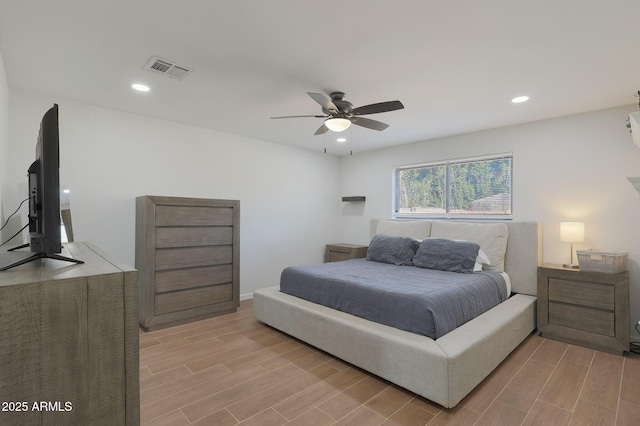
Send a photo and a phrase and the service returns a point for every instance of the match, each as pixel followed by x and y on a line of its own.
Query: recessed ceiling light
pixel 140 87
pixel 341 140
pixel 520 99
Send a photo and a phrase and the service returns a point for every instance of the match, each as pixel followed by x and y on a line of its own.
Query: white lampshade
pixel 634 121
pixel 337 124
pixel 572 232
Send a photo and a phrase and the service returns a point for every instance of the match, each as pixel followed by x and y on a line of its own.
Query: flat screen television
pixel 45 239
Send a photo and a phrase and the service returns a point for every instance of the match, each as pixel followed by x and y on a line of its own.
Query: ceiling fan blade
pixel 300 116
pixel 377 108
pixel 321 130
pixel 368 123
pixel 324 101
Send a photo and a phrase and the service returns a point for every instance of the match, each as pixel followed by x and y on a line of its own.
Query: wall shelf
pixel 355 198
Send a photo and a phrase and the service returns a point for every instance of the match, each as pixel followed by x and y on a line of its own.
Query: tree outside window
pixel 470 187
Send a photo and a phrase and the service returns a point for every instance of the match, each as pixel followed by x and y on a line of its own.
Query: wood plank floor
pixel 234 370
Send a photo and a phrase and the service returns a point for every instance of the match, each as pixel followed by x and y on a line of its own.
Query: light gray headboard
pixel 524 254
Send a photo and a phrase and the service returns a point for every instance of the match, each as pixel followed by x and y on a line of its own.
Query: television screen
pixel 44 188
pixel 44 195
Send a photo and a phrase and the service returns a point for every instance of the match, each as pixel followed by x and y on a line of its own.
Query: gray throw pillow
pixel 393 250
pixel 446 255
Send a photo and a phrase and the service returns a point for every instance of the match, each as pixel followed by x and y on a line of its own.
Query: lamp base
pixel 570 266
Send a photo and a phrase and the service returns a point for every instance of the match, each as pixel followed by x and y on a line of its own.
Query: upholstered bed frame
pixel 443 370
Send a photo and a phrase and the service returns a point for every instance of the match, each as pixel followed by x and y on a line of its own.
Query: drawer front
pixel 193 236
pixel 194 298
pixel 338 256
pixel 581 293
pixel 193 216
pixel 340 249
pixel 337 253
pixel 580 318
pixel 192 257
pixel 182 279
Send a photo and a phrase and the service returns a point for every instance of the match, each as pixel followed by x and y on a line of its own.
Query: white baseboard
pixel 246 296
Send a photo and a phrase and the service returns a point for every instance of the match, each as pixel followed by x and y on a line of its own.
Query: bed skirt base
pixel 443 371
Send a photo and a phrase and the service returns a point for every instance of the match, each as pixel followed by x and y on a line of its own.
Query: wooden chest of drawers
pixel 187 255
pixel 585 308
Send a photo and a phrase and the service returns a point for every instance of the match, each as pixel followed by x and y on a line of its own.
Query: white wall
pixel 4 138
pixel 108 158
pixel 569 168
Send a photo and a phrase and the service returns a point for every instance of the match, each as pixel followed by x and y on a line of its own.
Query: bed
pixel 443 370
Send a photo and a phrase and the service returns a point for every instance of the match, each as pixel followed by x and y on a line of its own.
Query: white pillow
pixel 492 238
pixel 416 229
pixel 482 259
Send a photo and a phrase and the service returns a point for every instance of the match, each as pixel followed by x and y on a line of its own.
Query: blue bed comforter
pixel 418 300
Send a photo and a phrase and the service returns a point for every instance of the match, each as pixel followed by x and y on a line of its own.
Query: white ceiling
pixel 454 64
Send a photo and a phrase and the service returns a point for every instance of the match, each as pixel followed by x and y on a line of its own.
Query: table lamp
pixel 571 232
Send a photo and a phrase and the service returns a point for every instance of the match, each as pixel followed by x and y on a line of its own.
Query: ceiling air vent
pixel 168 68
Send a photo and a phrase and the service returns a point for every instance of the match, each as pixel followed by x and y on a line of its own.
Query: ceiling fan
pixel 340 113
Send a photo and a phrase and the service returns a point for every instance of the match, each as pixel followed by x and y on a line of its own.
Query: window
pixel 471 187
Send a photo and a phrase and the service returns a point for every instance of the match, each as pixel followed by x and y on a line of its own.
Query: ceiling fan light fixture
pixel 337 124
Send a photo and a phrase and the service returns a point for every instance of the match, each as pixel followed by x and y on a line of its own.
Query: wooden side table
pixel 342 251
pixel 585 308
